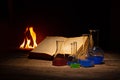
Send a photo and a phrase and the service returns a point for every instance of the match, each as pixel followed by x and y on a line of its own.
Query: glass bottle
pixel 73 51
pixel 84 58
pixel 95 52
pixel 71 57
pixel 74 61
pixel 59 51
pixel 59 57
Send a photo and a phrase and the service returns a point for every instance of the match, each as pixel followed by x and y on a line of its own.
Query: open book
pixel 46 49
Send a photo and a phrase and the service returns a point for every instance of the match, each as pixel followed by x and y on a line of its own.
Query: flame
pixel 29 32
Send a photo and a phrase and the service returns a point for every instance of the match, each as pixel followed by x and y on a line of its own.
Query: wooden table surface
pixel 17 66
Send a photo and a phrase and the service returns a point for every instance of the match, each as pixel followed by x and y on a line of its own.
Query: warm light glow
pixel 29 32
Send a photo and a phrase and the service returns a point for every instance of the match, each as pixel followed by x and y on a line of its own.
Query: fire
pixel 29 41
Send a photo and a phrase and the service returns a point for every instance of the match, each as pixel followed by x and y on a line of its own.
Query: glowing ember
pixel 29 41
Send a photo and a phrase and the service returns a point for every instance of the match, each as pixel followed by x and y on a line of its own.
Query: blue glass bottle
pixel 84 58
pixel 95 52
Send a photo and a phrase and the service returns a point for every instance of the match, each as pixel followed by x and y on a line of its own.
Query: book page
pixel 48 45
pixel 67 45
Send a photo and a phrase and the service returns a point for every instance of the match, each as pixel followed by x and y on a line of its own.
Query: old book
pixel 46 49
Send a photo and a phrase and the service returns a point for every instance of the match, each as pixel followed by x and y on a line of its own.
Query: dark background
pixel 59 17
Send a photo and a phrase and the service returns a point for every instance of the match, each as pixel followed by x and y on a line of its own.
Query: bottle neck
pixel 95 36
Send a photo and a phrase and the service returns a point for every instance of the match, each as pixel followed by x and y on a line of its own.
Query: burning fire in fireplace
pixel 29 41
